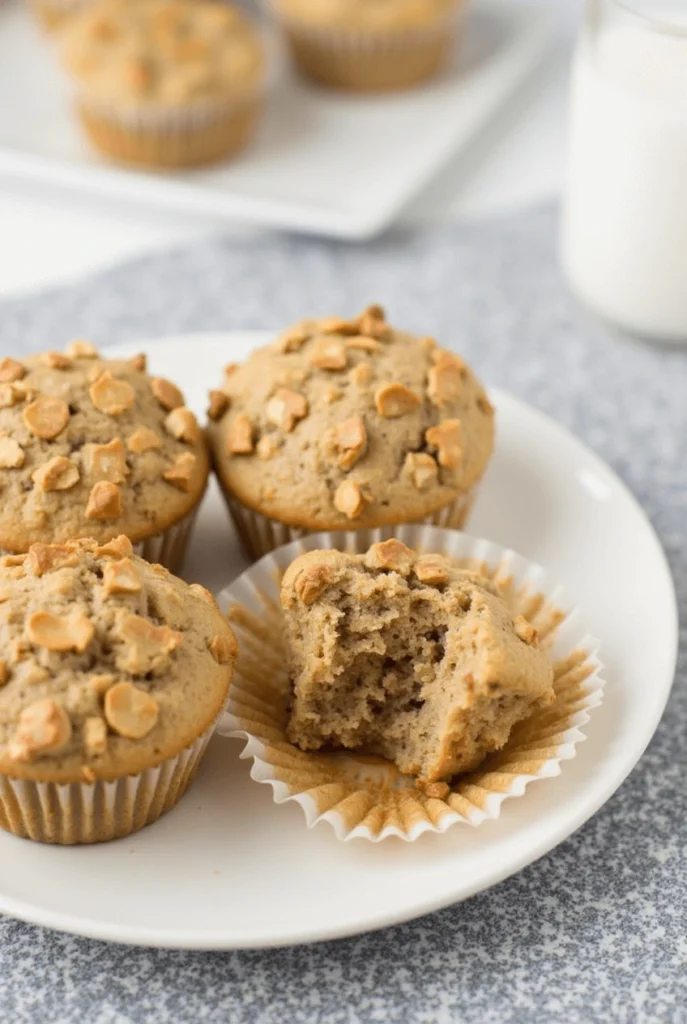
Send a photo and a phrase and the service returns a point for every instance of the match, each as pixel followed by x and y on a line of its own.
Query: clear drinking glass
pixel 624 234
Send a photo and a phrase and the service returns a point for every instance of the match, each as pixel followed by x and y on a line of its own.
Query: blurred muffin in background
pixel 358 45
pixel 166 83
pixel 54 13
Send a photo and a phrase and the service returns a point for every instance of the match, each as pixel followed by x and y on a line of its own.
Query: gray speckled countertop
pixel 597 930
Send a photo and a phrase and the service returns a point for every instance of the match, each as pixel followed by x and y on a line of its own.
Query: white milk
pixel 624 243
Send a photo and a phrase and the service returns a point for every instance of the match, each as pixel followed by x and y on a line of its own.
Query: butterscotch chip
pixel 121 578
pixel 46 557
pixel 484 405
pixel 203 592
pixel 293 338
pixel 79 349
pixel 360 375
pixel 240 435
pixel 145 646
pixel 71 632
pixel 181 473
pixel 328 354
pixel 101 683
pixel 143 440
pixel 223 649
pixel 446 382
pixel 525 631
pixel 46 417
pixel 345 444
pixel 332 395
pixel 11 370
pixel 230 368
pixel 167 394
pixel 139 362
pixel 447 439
pixel 182 424
pixel 58 474
pixel 4 673
pixel 335 325
pixel 44 728
pixel 56 360
pixel 130 711
pixel 104 501
pixel 11 453
pixel 10 395
pixel 422 469
pixel 348 499
pixel 432 569
pixel 266 447
pixel 312 582
pixel 361 344
pixel 395 400
pixel 95 736
pixel 372 324
pixel 286 408
pixel 390 554
pixel 118 547
pixel 111 395
pixel 429 344
pixel 219 403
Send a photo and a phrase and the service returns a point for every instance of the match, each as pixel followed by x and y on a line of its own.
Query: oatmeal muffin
pixel 166 83
pixel 408 657
pixel 113 674
pixel 348 424
pixel 94 447
pixel 357 45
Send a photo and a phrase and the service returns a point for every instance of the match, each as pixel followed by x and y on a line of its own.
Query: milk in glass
pixel 624 241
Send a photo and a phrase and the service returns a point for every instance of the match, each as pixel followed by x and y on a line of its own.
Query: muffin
pixel 406 657
pixel 357 45
pixel 95 447
pixel 348 424
pixel 166 83
pixel 113 675
pixel 54 14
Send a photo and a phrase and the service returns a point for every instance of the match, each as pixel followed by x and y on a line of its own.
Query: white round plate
pixel 229 868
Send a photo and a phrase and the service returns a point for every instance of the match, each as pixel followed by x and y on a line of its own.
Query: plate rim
pixel 179 938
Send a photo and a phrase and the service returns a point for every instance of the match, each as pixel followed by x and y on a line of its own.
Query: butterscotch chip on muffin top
pixel 351 423
pixel 110 665
pixel 93 447
pixel 406 656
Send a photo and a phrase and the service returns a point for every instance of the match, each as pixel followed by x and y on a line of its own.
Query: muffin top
pixel 164 52
pixel 93 447
pixel 109 664
pixel 381 15
pixel 344 423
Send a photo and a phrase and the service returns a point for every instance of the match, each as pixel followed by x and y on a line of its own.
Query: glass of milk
pixel 624 240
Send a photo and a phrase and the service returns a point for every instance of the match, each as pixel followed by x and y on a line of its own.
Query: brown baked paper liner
pixel 169 137
pixel 95 812
pixel 368 797
pixel 367 61
pixel 259 534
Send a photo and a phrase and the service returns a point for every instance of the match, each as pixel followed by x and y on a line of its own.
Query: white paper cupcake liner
pixel 364 797
pixel 169 547
pixel 259 534
pixel 95 812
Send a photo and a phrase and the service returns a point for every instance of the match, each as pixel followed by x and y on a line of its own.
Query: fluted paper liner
pixel 367 797
pixel 259 534
pixel 94 812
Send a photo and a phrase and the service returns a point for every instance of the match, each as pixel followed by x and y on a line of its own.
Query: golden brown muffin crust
pixel 109 666
pixel 346 423
pixel 93 447
pixel 164 52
